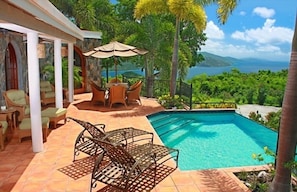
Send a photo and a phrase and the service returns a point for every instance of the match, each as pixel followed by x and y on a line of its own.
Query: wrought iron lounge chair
pixel 84 144
pixel 133 168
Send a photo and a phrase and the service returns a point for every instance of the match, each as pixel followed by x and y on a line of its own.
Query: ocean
pixel 244 66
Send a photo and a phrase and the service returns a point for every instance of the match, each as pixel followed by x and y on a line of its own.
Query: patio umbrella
pixel 115 49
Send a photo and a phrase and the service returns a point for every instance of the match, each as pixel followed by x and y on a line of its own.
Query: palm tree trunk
pixel 288 126
pixel 174 66
pixel 149 77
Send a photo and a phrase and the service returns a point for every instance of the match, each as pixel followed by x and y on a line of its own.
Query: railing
pixel 185 91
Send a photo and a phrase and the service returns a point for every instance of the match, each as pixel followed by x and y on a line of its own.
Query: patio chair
pixel 98 93
pixel 19 100
pixel 117 94
pixel 134 168
pixel 47 93
pixel 3 129
pixel 133 94
pixel 87 146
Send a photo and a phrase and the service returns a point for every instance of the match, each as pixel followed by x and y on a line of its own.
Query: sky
pixel 256 29
pixel 260 29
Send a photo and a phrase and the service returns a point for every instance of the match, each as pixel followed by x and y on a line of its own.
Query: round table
pixel 11 113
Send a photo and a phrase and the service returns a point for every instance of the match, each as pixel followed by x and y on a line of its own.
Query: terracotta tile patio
pixel 21 170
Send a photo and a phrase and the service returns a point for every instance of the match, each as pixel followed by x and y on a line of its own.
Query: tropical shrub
pixel 264 87
pixel 271 120
pixel 169 102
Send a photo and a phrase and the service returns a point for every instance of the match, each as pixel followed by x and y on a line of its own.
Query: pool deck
pixel 21 170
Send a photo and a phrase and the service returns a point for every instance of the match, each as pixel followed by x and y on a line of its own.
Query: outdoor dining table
pixel 11 113
pixel 108 85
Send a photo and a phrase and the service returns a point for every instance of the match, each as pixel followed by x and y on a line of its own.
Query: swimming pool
pixel 213 139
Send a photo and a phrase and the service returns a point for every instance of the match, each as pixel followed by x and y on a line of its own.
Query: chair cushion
pixel 27 110
pixel 53 112
pixel 50 94
pixel 4 126
pixel 26 123
pixel 18 97
pixel 45 86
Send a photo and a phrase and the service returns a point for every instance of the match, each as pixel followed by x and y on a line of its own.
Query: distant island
pixel 212 60
pixel 215 64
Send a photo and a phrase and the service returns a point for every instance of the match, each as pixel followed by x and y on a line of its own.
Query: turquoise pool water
pixel 208 140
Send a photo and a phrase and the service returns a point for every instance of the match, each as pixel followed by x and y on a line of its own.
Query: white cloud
pixel 267 34
pixel 241 36
pixel 263 42
pixel 213 32
pixel 244 51
pixel 264 12
pixel 268 48
pixel 242 13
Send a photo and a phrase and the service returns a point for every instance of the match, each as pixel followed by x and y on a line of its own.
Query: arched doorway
pixel 80 61
pixel 11 69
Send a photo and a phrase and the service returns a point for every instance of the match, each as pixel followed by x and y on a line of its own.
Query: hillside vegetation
pixel 263 88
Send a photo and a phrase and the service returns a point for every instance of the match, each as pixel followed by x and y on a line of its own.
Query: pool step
pixel 158 118
pixel 165 122
pixel 175 127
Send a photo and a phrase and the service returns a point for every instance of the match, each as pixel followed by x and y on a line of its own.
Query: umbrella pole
pixel 106 73
pixel 116 70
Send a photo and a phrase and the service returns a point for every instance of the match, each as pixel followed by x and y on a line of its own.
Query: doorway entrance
pixel 11 68
pixel 80 61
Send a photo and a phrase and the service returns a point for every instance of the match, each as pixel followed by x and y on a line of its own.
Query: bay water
pixel 244 66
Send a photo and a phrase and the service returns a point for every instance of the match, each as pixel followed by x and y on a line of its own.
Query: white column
pixel 58 73
pixel 70 72
pixel 34 92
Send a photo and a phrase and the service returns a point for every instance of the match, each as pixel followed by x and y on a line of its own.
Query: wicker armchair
pixel 98 93
pixel 3 129
pixel 134 168
pixel 117 94
pixel 123 135
pixel 19 100
pixel 133 94
pixel 47 93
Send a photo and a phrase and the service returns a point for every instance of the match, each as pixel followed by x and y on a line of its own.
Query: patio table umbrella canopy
pixel 115 49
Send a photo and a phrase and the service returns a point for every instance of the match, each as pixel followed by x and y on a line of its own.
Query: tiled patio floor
pixel 21 170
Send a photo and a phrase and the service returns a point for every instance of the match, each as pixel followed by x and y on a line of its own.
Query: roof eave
pixel 48 13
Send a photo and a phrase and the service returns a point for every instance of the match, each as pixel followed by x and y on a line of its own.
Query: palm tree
pixel 183 10
pixel 288 127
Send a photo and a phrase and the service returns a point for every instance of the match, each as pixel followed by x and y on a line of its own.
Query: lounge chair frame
pixel 84 144
pixel 122 167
